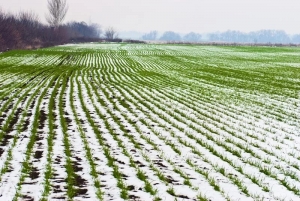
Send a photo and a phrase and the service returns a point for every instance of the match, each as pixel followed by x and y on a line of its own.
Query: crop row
pixel 148 122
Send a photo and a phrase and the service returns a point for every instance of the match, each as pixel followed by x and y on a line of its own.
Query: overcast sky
pixel 182 16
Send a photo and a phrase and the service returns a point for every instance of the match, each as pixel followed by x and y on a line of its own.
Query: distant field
pixel 150 122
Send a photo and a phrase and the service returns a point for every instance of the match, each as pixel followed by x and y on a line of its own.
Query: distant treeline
pixel 262 36
pixel 25 31
pixel 257 37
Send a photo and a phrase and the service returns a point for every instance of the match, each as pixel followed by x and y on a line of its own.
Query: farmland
pixel 150 122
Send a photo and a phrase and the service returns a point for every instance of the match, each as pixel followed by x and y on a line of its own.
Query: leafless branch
pixel 110 33
pixel 57 12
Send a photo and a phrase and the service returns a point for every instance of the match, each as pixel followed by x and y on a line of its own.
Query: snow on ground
pixel 150 122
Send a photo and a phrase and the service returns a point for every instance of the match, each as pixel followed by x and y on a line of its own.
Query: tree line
pixel 26 31
pixel 262 36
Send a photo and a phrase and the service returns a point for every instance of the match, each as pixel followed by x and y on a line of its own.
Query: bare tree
pixel 57 12
pixel 96 29
pixel 28 17
pixel 110 33
pixel 192 37
pixel 170 36
pixel 29 25
pixel 10 34
pixel 150 36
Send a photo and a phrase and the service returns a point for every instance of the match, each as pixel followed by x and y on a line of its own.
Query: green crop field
pixel 150 122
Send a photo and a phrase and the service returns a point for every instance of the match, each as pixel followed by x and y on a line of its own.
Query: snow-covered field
pixel 150 122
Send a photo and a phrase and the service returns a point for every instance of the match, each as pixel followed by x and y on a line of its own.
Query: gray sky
pixel 177 15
